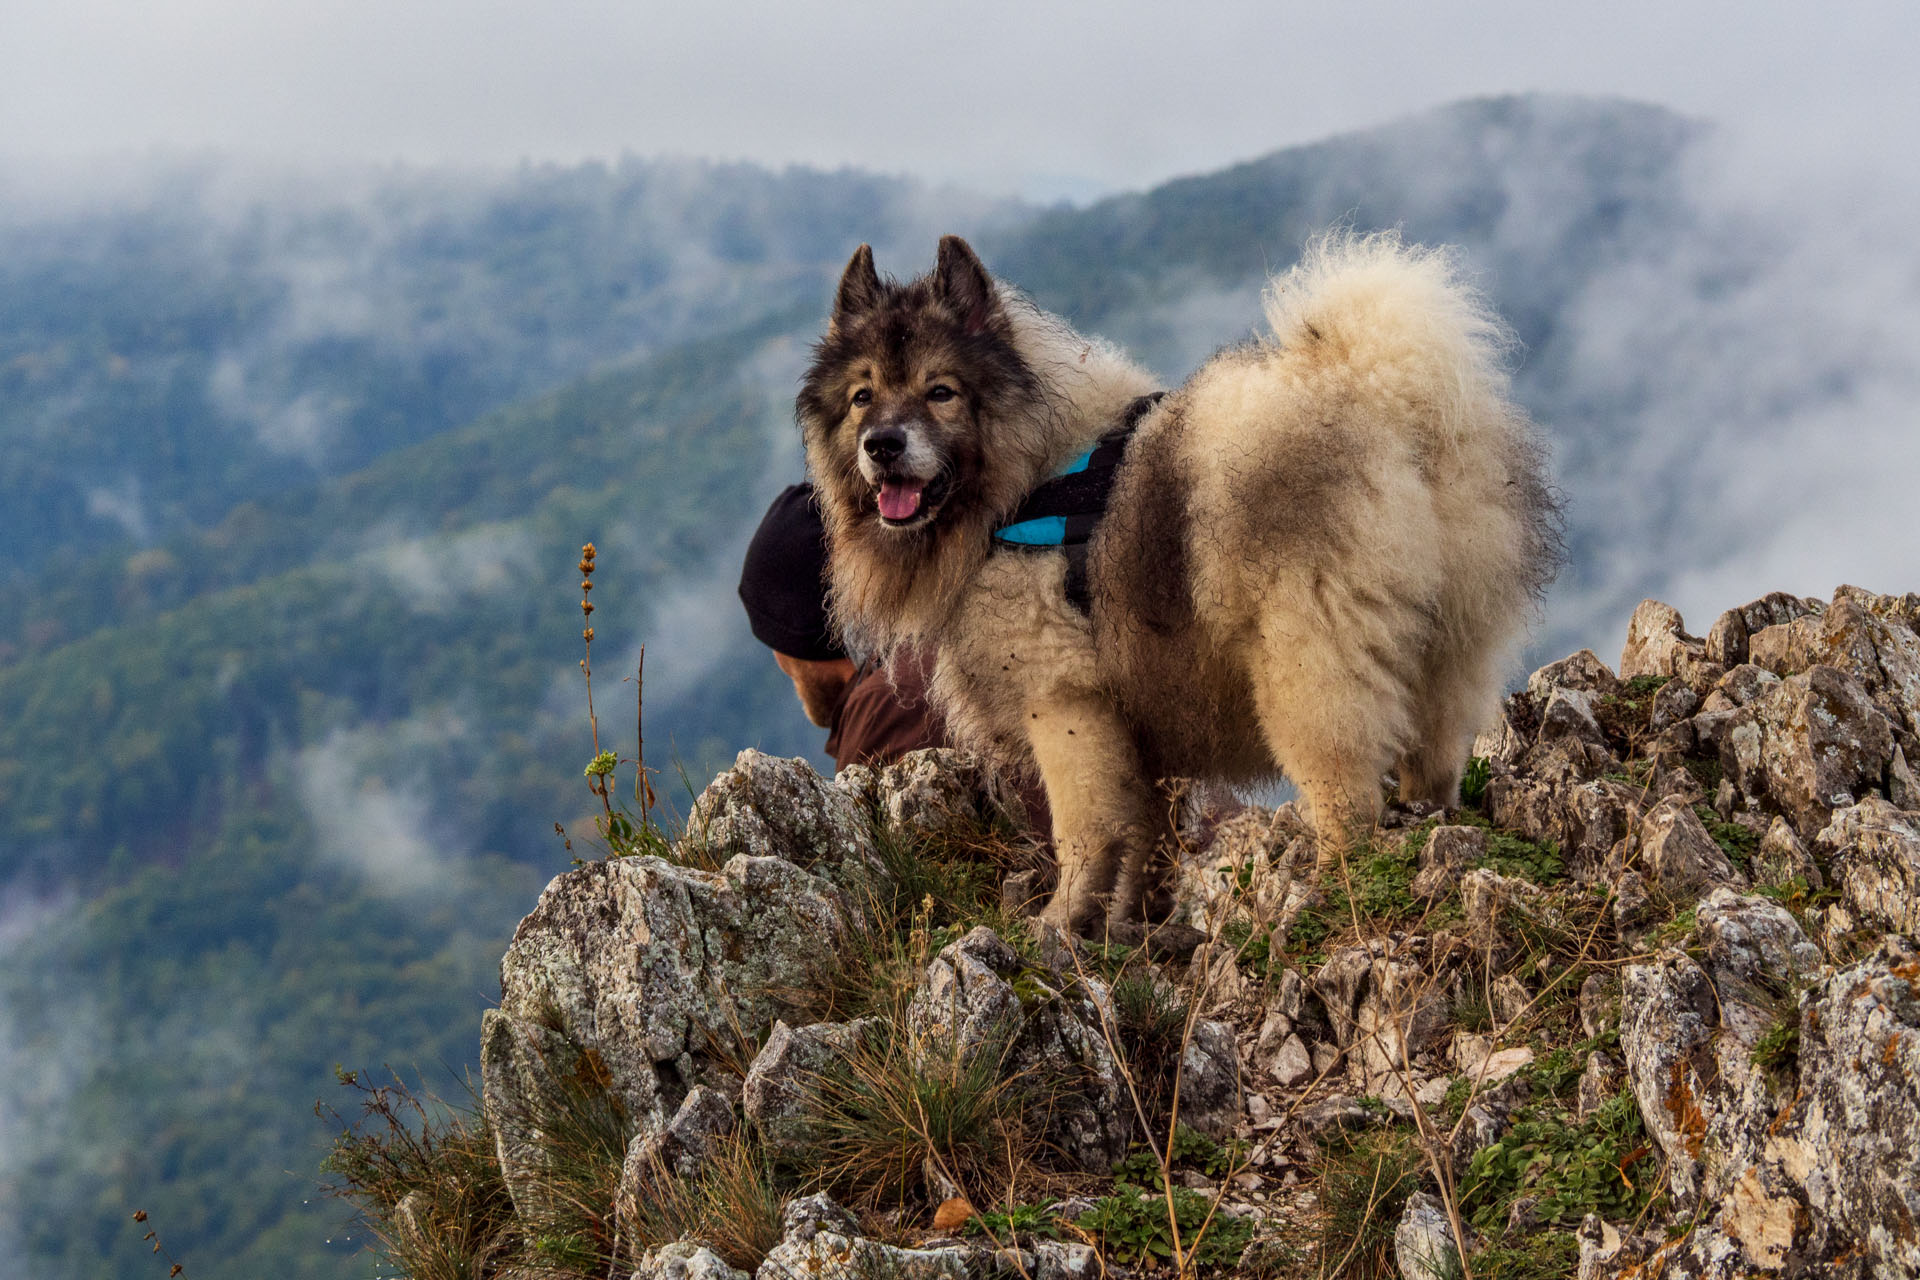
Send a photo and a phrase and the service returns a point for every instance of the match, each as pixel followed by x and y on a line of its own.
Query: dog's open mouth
pixel 904 502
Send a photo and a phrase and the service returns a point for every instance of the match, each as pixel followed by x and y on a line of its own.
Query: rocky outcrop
pixel 1672 939
pixel 1043 1027
pixel 631 973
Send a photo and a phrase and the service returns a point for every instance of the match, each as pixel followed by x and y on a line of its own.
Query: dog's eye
pixel 862 398
pixel 940 393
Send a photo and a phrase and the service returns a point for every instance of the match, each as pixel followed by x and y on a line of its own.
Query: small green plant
pixel 1018 1222
pixel 1778 1051
pixel 1535 860
pixel 1602 1165
pixel 1134 1227
pixel 1473 782
pixel 1736 841
pixel 1189 1149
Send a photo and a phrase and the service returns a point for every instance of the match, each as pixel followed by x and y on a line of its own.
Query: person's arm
pixel 819 684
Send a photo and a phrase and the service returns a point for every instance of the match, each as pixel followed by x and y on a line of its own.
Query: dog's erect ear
pixel 963 282
pixel 859 286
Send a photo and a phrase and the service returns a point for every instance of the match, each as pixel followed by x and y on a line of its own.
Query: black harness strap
pixel 1064 511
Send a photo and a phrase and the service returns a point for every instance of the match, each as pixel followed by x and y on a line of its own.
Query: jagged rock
pixel 767 807
pixel 1334 1114
pixel 1065 1260
pixel 1384 1006
pixel 1672 706
pixel 979 997
pixel 688 1141
pixel 1582 672
pixel 1874 852
pixel 1811 744
pixel 931 792
pixel 1678 853
pixel 1507 740
pixel 1423 1246
pixel 1781 857
pixel 1688 1031
pixel 1490 901
pixel 1210 1079
pixel 1859 1113
pixel 1599 1004
pixel 1480 1062
pixel 1447 854
pixel 1599 1083
pixel 822 1243
pixel 1246 871
pixel 685 1260
pixel 782 1084
pixel 1291 1065
pixel 628 971
pixel 1511 999
pixel 1585 818
pixel 1658 644
pixel 1606 1253
pixel 1859 635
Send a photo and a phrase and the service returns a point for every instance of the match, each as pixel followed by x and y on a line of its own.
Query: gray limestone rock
pixel 628 972
pixel 782 1084
pixel 1599 1083
pixel 1210 1079
pixel 1385 1006
pixel 1873 850
pixel 1782 856
pixel 1658 644
pixel 1673 705
pixel 1811 744
pixel 1423 1245
pixel 767 807
pixel 823 1243
pixel 685 1145
pixel 1047 1028
pixel 932 792
pixel 685 1260
pixel 1582 672
pixel 1446 855
pixel 1678 854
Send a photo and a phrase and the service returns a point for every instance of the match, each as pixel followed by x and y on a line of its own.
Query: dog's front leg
pixel 1092 774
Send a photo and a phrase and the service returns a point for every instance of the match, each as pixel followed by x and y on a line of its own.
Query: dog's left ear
pixel 859 286
pixel 963 282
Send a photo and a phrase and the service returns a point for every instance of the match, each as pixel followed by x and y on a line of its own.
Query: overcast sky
pixel 1042 97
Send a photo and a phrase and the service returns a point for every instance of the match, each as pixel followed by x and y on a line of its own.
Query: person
pixel 873 716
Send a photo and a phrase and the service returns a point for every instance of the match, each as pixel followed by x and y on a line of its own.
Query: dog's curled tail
pixel 1401 317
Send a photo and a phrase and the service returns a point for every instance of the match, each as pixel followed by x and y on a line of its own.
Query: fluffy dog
pixel 1314 561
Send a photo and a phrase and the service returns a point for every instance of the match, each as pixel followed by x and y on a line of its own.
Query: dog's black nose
pixel 884 444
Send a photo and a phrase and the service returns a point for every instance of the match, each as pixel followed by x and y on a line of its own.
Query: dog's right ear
pixel 859 286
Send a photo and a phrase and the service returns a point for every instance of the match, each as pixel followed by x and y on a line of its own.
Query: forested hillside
pixel 294 476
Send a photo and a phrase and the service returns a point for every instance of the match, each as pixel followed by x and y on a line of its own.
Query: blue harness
pixel 1062 512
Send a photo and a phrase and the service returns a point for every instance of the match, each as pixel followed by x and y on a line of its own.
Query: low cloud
pixel 437 573
pixel 371 806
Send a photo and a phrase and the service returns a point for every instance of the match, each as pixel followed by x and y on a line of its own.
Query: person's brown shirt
pixel 878 720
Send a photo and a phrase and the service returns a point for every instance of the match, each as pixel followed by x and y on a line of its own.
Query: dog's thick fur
pixel 1316 558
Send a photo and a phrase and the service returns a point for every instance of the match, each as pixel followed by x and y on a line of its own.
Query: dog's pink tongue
pixel 899 501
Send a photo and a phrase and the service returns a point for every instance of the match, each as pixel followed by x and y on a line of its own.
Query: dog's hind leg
pixel 1459 685
pixel 1091 770
pixel 1332 726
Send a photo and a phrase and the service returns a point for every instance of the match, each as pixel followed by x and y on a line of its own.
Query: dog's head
pixel 898 405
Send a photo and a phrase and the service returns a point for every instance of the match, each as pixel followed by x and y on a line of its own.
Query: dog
pixel 1315 559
